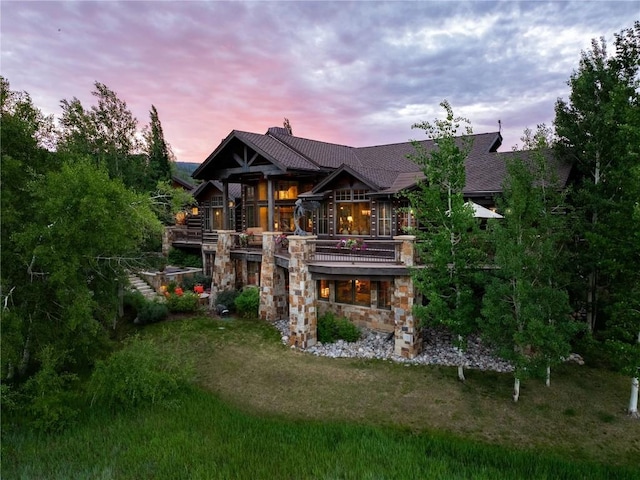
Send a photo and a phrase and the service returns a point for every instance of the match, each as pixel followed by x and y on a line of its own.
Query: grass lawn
pixel 262 410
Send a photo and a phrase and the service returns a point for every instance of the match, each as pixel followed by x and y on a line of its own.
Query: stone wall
pixel 408 339
pixel 303 314
pixel 268 289
pixel 224 272
pixel 377 319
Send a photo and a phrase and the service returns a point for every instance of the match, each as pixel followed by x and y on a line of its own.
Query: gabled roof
pixel 183 183
pixel 340 171
pixel 386 168
pixel 235 189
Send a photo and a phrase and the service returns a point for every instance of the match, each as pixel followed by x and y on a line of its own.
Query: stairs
pixel 136 283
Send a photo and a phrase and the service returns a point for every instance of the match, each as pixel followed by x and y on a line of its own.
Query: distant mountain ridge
pixel 188 167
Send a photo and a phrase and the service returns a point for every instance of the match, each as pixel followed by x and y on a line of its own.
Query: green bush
pixel 181 258
pixel 248 302
pixel 147 311
pixel 134 299
pixel 48 394
pixel 198 279
pixel 138 374
pixel 331 329
pixel 187 302
pixel 228 299
pixel 152 312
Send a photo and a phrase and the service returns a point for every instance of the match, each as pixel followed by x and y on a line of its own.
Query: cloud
pixel 357 73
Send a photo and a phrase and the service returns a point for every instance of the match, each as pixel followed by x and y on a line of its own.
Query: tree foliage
pixel 599 129
pixel 157 150
pixel 448 233
pixel 526 311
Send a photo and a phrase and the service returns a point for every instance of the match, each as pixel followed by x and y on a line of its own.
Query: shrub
pixel 248 302
pixel 187 302
pixel 331 329
pixel 181 258
pixel 152 312
pixel 134 299
pixel 138 374
pixel 197 279
pixel 347 331
pixel 49 395
pixel 228 299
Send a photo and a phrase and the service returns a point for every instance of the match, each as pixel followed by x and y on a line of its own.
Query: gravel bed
pixel 436 350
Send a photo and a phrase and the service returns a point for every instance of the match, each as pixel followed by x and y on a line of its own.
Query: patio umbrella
pixel 481 212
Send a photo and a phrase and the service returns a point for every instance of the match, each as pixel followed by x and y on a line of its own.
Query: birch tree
pixel 448 233
pixel 526 305
pixel 599 128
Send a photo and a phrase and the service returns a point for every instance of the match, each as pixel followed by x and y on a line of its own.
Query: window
pixel 384 219
pixel 384 291
pixel 206 218
pixel 285 190
pixel 353 212
pixel 407 219
pixel 355 292
pixel 253 273
pixel 251 216
pixel 283 219
pixel 323 290
pixel 323 219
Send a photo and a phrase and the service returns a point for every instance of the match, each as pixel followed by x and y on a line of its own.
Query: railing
pixel 186 235
pixel 244 241
pixel 369 251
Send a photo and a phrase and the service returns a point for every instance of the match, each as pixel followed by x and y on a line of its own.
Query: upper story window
pixel 353 211
pixel 285 190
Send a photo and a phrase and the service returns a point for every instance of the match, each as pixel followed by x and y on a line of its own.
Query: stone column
pixel 268 308
pixel 408 340
pixel 224 272
pixel 167 239
pixel 303 313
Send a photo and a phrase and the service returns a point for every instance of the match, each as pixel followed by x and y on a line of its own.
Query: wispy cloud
pixel 357 73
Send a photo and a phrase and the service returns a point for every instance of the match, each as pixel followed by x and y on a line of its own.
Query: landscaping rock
pixel 437 349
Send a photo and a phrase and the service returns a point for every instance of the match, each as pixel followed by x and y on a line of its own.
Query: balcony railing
pixel 371 251
pixel 180 234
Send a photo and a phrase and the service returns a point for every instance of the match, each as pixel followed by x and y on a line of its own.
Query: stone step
pixel 136 283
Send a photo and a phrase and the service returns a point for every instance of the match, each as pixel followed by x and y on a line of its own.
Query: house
pixel 338 200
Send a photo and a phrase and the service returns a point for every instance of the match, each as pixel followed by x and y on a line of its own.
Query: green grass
pixel 262 410
pixel 204 437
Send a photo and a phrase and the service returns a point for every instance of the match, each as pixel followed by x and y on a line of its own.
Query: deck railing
pixel 184 234
pixel 369 251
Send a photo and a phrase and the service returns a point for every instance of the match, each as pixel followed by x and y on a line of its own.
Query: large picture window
pixel 353 216
pixel 355 292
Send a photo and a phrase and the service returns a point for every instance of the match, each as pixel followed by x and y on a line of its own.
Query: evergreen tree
pixel 157 151
pixel 448 234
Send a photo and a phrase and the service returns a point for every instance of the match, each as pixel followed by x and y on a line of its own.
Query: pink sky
pixel 355 73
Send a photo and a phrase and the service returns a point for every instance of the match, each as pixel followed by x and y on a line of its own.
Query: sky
pixel 353 73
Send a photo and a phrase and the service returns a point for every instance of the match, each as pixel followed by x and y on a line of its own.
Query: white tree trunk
pixel 548 379
pixel 461 360
pixel 633 400
pixel 516 389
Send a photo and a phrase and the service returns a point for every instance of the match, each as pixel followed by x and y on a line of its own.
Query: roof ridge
pixel 290 147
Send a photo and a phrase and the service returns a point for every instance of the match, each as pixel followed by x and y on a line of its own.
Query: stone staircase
pixel 136 283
